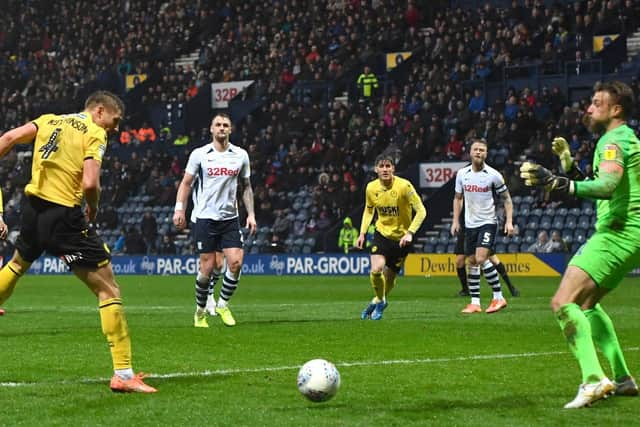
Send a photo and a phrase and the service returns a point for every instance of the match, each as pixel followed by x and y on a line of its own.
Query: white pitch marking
pixel 231 371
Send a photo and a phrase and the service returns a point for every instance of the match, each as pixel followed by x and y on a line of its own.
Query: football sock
pixel 462 276
pixel 202 289
pixel 215 275
pixel 8 280
pixel 377 283
pixel 491 275
pixel 577 331
pixel 388 286
pixel 125 374
pixel 114 327
pixel 229 286
pixel 503 273
pixel 605 338
pixel 474 283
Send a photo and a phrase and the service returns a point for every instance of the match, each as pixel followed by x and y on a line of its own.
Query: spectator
pixel 477 103
pixel 149 227
pixel 367 83
pixel 557 243
pixel 348 236
pixel 167 246
pixel 134 243
pixel 146 133
pixel 542 245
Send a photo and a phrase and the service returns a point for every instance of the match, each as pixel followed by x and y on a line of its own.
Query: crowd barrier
pixel 519 264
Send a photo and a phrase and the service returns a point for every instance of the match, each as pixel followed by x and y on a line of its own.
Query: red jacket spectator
pixel 146 134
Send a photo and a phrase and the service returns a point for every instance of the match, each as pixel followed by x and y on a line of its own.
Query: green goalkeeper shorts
pixel 608 257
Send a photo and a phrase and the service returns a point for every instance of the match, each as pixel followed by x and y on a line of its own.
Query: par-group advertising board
pixel 543 265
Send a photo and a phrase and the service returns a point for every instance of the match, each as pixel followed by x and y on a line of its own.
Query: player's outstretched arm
pixel 20 135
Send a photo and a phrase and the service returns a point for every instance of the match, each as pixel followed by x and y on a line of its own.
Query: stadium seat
pixel 441 249
pixel 513 247
pixel 528 199
pixel 306 249
pixel 532 224
pixel 428 248
pixel 451 248
pixel 575 211
pixel 254 250
pixel 570 222
pixel 444 240
pixel 524 247
pixel 545 225
pixel 310 241
pixel 433 240
pixel 529 240
pixel 558 223
pixel 524 209
pixel 516 200
pixel 505 240
pixel 584 222
pixel 516 239
pixel 501 248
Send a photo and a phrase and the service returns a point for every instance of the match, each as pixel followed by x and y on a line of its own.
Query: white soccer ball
pixel 318 380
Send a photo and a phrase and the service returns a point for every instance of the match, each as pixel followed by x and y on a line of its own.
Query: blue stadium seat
pixel 451 248
pixel 571 222
pixel 516 239
pixel 575 211
pixel 501 248
pixel 428 248
pixel 513 247
pixel 584 222
pixel 441 249
pixel 524 247
pixel 558 223
pixel 529 240
pixel 516 200
pixel 523 209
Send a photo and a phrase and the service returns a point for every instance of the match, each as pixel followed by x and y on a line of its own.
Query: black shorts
pixel 394 255
pixel 214 236
pixel 60 231
pixel 480 237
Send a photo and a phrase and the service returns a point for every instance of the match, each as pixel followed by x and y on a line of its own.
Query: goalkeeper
pixel 604 260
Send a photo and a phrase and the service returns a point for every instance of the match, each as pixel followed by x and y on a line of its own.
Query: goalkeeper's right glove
pixel 536 175
pixel 560 148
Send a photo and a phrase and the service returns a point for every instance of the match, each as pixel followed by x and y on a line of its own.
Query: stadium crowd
pixel 310 155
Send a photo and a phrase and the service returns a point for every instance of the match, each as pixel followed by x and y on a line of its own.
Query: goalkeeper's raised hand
pixel 535 175
pixel 560 148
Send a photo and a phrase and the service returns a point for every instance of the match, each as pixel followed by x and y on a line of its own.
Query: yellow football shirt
pixel 394 206
pixel 61 146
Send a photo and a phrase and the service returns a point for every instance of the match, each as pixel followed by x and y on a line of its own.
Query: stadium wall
pixel 542 265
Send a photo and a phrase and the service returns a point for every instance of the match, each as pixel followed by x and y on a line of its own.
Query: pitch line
pixel 367 363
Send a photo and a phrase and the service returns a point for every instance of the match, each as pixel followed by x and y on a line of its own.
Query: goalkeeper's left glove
pixel 538 176
pixel 560 148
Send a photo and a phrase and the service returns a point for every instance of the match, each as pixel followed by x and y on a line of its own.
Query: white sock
pixel 475 301
pixel 498 295
pixel 222 303
pixel 125 374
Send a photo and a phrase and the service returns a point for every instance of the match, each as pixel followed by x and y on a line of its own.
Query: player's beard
pixel 594 126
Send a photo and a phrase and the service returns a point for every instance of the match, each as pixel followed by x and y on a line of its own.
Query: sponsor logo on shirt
pixel 222 171
pixel 472 188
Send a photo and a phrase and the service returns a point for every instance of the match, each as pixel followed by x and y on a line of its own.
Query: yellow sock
pixel 389 286
pixel 114 327
pixel 377 283
pixel 8 280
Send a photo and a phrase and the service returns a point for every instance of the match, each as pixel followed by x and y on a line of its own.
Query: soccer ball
pixel 318 380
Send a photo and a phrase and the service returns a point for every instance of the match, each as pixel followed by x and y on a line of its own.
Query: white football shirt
pixel 477 189
pixel 216 174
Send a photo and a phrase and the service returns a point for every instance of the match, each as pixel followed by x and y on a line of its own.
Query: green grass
pixel 423 364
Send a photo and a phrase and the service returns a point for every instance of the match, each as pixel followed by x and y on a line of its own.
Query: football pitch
pixel 423 364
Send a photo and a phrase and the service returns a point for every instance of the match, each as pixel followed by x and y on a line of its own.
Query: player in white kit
pixel 216 169
pixel 476 184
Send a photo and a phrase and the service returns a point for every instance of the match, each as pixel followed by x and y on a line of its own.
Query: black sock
pixel 504 275
pixel 462 275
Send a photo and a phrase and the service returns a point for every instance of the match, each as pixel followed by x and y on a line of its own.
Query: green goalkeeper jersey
pixel 623 209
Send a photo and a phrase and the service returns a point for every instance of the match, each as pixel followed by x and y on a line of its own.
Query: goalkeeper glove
pixel 560 148
pixel 536 175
